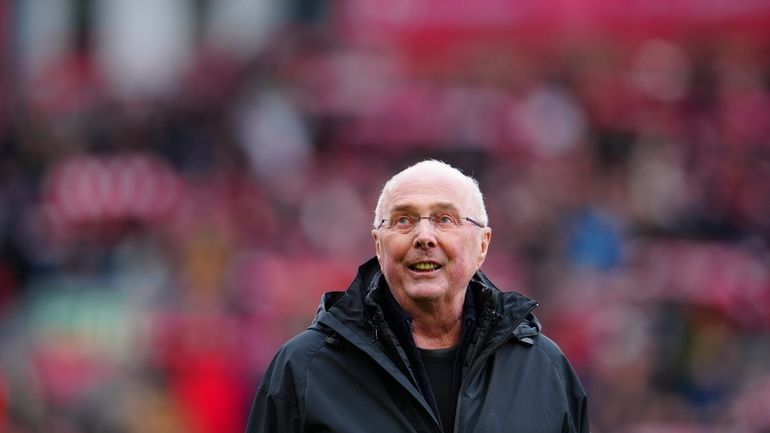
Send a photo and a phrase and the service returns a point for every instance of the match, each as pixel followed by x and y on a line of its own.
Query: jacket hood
pixel 345 312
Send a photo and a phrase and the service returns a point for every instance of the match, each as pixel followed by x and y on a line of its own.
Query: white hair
pixel 475 197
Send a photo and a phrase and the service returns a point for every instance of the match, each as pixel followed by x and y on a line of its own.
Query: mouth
pixel 424 266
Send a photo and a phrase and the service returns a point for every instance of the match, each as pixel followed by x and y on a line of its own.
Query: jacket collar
pixel 512 310
pixel 345 313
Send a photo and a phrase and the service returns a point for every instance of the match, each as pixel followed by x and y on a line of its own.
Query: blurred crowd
pixel 156 250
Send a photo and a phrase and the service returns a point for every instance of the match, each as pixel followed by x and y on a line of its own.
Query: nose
pixel 424 234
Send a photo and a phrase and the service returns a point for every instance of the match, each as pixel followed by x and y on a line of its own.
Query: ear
pixel 486 237
pixel 377 246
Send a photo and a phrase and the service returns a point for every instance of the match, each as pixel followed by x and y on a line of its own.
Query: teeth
pixel 425 266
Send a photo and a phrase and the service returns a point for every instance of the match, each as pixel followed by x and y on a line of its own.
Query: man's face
pixel 427 265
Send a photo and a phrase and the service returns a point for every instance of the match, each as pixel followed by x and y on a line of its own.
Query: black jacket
pixel 349 372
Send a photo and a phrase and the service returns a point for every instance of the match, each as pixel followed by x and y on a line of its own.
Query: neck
pixel 437 326
pixel 428 337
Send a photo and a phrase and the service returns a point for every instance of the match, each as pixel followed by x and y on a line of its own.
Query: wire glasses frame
pixel 435 220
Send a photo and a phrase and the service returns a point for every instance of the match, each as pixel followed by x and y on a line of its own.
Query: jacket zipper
pixel 475 362
pixel 375 337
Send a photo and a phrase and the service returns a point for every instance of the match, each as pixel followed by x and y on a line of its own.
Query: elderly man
pixel 422 341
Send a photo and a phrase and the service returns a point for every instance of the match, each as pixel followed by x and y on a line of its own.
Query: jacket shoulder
pixel 560 364
pixel 285 376
pixel 549 347
pixel 279 401
pixel 574 392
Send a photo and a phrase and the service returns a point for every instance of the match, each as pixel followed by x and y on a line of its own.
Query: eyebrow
pixel 445 206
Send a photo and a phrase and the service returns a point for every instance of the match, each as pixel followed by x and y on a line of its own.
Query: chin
pixel 425 292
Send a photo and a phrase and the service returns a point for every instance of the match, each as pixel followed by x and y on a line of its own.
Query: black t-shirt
pixel 440 367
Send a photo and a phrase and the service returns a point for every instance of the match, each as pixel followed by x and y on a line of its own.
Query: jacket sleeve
pixel 273 414
pixel 576 420
pixel 277 406
pixel 577 399
pixel 582 423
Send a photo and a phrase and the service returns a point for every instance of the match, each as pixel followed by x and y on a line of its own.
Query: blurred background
pixel 180 180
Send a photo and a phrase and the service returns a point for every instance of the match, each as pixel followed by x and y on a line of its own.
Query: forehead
pixel 427 191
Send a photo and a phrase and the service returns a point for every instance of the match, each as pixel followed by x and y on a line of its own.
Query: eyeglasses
pixel 444 222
